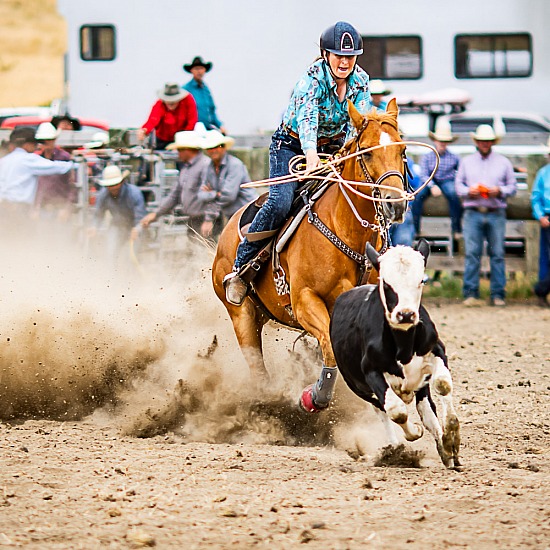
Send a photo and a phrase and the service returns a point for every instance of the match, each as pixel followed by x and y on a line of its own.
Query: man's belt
pixel 484 209
pixel 321 141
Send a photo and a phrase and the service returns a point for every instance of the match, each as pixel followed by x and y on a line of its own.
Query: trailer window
pixel 97 42
pixel 493 55
pixel 392 57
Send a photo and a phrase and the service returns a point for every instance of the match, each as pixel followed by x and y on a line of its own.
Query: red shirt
pixel 166 123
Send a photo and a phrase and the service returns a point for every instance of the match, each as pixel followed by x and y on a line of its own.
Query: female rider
pixel 316 121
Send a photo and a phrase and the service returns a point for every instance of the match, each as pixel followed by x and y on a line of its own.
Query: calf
pixel 388 350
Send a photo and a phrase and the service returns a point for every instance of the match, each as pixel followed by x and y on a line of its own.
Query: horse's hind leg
pixel 248 323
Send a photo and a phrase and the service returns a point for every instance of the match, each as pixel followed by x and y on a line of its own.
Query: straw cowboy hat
pixel 112 176
pixel 191 139
pixel 443 134
pixel 197 62
pixel 46 131
pixel 215 139
pixel 377 87
pixel 171 93
pixel 484 132
pixel 99 139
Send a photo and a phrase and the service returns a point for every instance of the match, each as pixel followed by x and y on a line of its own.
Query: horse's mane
pixel 382 118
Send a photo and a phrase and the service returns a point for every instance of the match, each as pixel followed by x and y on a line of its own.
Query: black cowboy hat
pixel 22 135
pixel 197 62
pixel 74 122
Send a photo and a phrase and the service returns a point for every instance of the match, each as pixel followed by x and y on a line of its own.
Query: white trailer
pixel 120 52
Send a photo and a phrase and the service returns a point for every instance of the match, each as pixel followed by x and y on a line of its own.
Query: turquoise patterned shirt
pixel 315 111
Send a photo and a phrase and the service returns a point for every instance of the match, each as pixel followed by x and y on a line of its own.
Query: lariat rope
pixel 328 172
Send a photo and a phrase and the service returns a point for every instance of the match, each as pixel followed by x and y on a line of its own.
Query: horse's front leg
pixel 312 314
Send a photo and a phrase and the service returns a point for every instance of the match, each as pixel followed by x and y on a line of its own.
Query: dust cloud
pixel 151 350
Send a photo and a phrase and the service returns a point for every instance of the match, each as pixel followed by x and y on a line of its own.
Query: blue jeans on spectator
pixel 403 233
pixel 455 207
pixel 479 227
pixel 542 288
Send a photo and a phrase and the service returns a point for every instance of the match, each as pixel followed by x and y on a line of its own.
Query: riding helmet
pixel 342 39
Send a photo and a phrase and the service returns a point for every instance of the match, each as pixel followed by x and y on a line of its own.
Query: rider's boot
pixel 316 397
pixel 235 288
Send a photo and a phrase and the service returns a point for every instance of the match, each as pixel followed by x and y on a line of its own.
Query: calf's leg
pixel 393 405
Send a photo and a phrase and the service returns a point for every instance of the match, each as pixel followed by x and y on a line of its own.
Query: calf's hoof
pixel 307 401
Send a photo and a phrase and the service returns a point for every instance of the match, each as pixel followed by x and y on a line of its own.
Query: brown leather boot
pixel 235 289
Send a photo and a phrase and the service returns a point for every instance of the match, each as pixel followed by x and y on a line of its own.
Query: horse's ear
pixel 424 248
pixel 356 117
pixel 391 108
pixel 373 255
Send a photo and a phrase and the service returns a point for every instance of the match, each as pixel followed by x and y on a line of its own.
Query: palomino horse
pixel 316 270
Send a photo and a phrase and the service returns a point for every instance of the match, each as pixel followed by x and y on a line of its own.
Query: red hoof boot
pixel 306 401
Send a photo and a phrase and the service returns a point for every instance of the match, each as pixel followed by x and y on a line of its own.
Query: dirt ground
pixel 128 420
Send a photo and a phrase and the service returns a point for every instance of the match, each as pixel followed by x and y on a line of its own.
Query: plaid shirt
pixel 315 111
pixel 448 165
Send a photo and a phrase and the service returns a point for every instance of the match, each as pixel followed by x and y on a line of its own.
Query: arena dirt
pixel 129 420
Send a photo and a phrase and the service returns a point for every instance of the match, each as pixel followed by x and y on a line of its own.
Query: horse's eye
pixel 367 156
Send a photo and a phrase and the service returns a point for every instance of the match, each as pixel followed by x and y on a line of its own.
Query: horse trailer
pixel 120 53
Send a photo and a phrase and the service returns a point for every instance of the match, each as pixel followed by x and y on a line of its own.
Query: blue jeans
pixel 455 207
pixel 542 288
pixel 403 233
pixel 478 228
pixel 275 210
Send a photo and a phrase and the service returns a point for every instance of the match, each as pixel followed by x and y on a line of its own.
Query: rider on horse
pixel 316 121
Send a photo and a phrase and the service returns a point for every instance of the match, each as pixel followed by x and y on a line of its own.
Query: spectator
pixel 220 191
pixel 316 121
pixel 126 205
pixel 175 111
pixel 56 194
pixel 443 181
pixel 99 141
pixel 378 91
pixel 189 145
pixel 404 233
pixel 540 202
pixel 484 182
pixel 66 122
pixel 19 171
pixel 202 95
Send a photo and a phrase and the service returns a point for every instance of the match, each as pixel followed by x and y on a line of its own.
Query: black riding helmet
pixel 341 39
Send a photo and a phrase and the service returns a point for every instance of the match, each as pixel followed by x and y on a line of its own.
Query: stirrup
pixel 235 288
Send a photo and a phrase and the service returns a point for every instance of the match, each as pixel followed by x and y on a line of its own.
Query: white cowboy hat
pixel 214 139
pixel 171 93
pixel 377 87
pixel 99 139
pixel 190 139
pixel 484 132
pixel 443 134
pixel 112 176
pixel 45 131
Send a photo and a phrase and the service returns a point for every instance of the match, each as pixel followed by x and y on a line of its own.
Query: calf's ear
pixel 423 246
pixel 373 255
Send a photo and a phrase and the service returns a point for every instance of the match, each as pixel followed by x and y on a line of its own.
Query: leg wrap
pixel 322 390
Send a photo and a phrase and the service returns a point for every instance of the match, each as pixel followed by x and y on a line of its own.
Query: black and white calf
pixel 389 353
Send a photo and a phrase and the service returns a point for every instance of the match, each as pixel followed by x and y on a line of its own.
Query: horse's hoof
pixel 307 403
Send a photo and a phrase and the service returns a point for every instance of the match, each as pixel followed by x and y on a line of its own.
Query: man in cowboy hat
pixel 443 180
pixel 378 91
pixel 484 182
pixel 203 97
pixel 193 163
pixel 19 171
pixel 175 111
pixel 126 205
pixel 221 192
pixel 55 194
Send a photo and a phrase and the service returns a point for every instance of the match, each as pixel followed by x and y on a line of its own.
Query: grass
pixel 519 286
